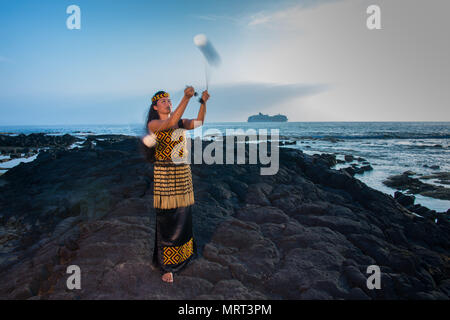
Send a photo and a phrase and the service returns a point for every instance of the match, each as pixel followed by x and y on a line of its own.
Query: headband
pixel 160 95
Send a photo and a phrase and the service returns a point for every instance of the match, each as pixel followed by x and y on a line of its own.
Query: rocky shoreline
pixel 308 232
pixel 405 181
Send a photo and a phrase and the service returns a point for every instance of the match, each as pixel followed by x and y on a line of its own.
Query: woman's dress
pixel 173 198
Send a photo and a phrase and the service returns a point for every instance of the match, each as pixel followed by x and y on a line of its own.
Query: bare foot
pixel 167 277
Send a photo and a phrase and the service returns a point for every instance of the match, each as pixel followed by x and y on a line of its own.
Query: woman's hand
pixel 189 92
pixel 205 95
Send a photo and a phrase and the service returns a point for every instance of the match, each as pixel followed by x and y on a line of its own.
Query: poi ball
pixel 206 47
pixel 149 140
pixel 200 40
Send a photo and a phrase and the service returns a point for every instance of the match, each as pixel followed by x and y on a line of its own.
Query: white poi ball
pixel 149 140
pixel 200 40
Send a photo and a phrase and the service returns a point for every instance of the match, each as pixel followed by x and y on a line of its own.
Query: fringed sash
pixel 172 185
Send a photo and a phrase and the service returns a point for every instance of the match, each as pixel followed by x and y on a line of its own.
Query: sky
pixel 311 60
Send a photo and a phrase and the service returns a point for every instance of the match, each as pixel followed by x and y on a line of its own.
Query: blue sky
pixel 127 50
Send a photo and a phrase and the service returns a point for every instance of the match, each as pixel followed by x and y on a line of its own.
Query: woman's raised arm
pixel 190 124
pixel 172 121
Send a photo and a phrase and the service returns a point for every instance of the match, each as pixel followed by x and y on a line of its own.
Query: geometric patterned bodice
pixel 170 144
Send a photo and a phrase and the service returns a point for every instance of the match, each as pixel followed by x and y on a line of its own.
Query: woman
pixel 173 191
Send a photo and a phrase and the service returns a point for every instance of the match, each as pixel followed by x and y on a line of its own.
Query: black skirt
pixel 174 240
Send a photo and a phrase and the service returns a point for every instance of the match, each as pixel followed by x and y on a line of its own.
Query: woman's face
pixel 164 105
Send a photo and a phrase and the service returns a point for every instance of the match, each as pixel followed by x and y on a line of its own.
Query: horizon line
pixel 212 122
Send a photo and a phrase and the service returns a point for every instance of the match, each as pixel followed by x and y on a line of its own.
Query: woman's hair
pixel 149 153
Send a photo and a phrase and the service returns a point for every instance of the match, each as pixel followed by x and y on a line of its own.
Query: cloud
pixel 237 101
pixel 287 17
pixel 259 19
pixel 264 17
pixel 209 18
pixel 399 73
pixel 215 17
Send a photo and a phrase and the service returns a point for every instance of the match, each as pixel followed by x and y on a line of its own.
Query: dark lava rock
pixel 349 170
pixel 441 177
pixel 307 232
pixel 37 140
pixel 403 199
pixel 415 186
pixel 330 159
pixel 354 169
pixel 349 158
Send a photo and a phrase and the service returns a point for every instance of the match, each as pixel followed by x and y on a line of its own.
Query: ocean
pixel 390 147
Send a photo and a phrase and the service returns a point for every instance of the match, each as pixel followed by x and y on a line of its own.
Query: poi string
pixel 210 54
pixel 206 75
